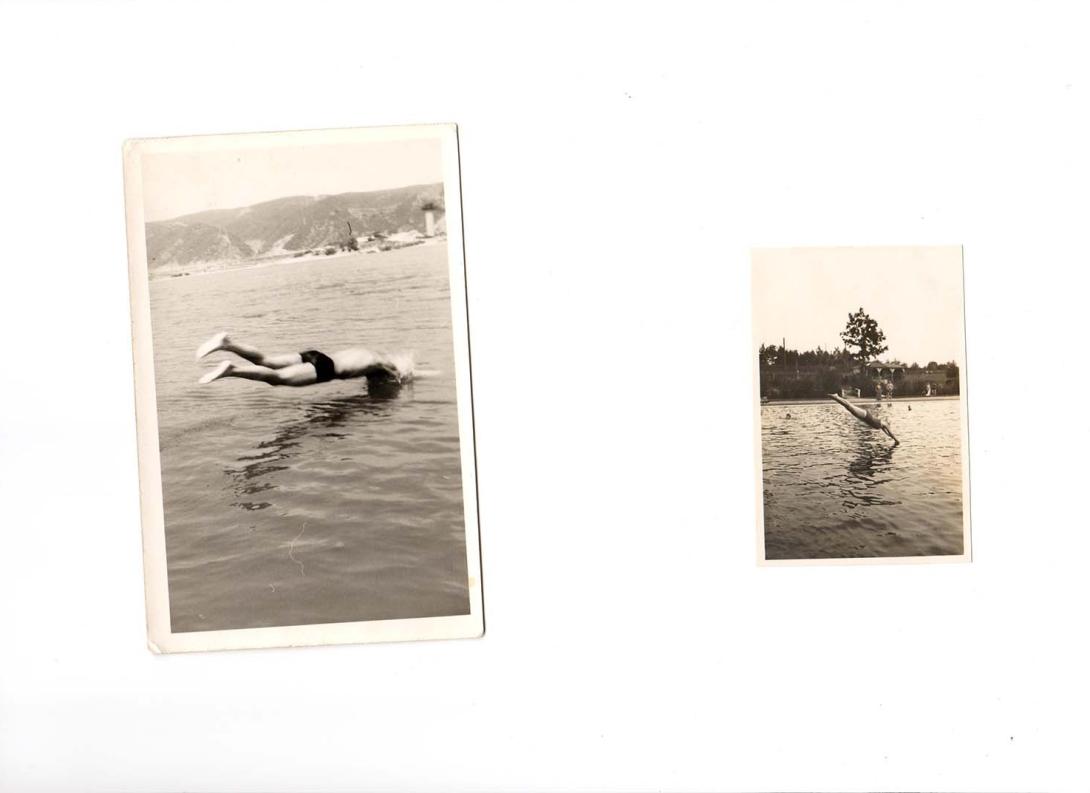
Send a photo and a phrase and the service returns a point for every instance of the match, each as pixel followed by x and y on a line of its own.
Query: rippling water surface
pixel 835 488
pixel 291 506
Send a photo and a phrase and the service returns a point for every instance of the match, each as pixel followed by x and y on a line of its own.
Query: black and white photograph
pixel 302 375
pixel 544 397
pixel 863 444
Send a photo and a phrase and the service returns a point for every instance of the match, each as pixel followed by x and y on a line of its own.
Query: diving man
pixel 866 417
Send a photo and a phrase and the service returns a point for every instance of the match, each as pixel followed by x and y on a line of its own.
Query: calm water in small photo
pixel 835 488
pixel 294 506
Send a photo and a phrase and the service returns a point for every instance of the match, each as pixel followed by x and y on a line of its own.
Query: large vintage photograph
pixel 863 439
pixel 302 370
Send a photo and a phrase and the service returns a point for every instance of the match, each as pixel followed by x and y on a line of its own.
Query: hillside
pixel 285 225
pixel 183 243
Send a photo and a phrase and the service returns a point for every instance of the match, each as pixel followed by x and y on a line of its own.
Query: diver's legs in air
pixel 221 341
pixel 859 413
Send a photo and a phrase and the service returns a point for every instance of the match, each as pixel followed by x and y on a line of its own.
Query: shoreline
pixel 273 261
pixel 860 400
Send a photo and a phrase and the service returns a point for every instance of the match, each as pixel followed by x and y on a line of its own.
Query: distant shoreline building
pixel 433 227
pixel 880 370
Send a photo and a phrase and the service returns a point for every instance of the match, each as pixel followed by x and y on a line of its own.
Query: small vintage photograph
pixel 304 410
pixel 861 404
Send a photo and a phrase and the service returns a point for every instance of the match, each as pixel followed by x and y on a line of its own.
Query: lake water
pixel 293 506
pixel 835 488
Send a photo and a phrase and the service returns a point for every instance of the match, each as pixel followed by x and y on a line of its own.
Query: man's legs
pixel 221 341
pixel 298 374
pixel 859 413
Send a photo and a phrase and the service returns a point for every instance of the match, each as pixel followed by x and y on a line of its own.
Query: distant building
pixel 881 370
pixel 411 235
pixel 434 219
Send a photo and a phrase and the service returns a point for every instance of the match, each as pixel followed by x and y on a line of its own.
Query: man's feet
pixel 215 374
pixel 217 342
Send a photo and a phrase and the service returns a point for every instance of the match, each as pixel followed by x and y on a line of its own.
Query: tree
pixel 769 355
pixel 863 333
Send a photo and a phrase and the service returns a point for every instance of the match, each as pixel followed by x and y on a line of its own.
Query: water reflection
pixel 868 471
pixel 871 460
pixel 251 477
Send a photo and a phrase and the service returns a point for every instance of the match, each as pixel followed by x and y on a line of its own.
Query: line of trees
pixel 777 358
pixel 812 374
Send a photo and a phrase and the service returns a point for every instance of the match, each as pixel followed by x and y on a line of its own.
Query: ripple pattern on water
pixel 289 506
pixel 835 488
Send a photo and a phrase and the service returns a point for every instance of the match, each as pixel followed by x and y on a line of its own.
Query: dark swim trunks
pixel 322 364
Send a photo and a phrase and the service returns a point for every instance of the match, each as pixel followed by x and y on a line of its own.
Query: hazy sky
pixel 179 183
pixel 914 294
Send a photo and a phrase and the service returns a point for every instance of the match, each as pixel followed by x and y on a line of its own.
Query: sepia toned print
pixel 302 376
pixel 861 405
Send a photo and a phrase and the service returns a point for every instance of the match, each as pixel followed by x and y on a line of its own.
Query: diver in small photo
pixel 866 417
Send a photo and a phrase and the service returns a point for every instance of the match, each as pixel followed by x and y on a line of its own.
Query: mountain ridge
pixel 286 225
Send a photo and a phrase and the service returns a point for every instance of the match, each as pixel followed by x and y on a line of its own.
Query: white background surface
pixel 618 164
